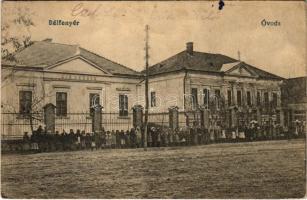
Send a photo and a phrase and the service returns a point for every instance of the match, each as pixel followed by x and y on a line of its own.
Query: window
pixel 266 98
pixel 217 93
pixel 25 102
pixel 239 98
pixel 274 99
pixel 217 97
pixel 258 99
pixel 94 101
pixel 194 98
pixel 123 105
pixel 61 103
pixel 229 99
pixel 153 99
pixel 248 98
pixel 206 96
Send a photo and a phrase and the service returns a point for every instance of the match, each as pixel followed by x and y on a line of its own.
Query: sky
pixel 116 30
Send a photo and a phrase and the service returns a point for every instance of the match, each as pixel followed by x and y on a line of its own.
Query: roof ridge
pixel 297 77
pixel 57 43
pixel 107 59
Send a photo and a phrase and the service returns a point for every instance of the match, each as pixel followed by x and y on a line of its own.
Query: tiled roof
pixel 44 54
pixel 206 62
pixel 197 61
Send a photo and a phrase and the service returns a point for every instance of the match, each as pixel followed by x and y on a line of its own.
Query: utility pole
pixel 146 87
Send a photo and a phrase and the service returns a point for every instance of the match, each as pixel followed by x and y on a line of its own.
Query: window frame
pixel 91 95
pixel 23 101
pixel 194 98
pixel 229 97
pixel 61 105
pixel 123 107
pixel 266 98
pixel 249 98
pixel 239 92
pixel 274 100
pixel 153 99
pixel 258 98
pixel 206 97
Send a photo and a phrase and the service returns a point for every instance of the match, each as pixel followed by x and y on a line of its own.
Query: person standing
pixel 166 137
pixel 152 137
pixel 113 138
pixel 158 132
pixel 176 137
pixel 138 137
pixel 233 134
pixel 132 138
pixel 127 139
pixel 108 140
pixel 170 137
pixel 78 140
pixel 83 136
pixel 118 140
pixel 122 139
pixel 93 143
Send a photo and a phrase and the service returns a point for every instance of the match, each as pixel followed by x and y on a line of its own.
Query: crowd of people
pixel 41 141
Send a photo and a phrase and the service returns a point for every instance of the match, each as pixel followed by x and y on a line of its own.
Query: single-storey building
pixel 71 78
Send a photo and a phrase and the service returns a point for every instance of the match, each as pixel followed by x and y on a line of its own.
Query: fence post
pixel 49 117
pixel 173 117
pixel 205 118
pixel 97 119
pixel 137 116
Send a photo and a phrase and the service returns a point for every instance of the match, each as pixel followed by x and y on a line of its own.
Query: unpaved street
pixel 269 169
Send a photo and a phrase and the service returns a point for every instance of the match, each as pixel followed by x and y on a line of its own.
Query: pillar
pixel 137 116
pixel 49 117
pixel 173 117
pixel 205 118
pixel 97 119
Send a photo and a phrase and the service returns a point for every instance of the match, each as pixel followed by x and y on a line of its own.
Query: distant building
pixel 294 100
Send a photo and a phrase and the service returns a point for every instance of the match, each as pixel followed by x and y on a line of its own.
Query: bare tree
pixel 15 30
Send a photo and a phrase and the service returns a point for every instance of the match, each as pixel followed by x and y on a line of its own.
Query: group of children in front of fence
pixel 156 137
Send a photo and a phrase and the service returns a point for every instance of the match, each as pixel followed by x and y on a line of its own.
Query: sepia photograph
pixel 153 99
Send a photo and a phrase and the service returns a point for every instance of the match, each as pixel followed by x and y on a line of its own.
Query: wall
pixel 168 89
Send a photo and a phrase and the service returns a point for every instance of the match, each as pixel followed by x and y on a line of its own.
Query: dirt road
pixel 270 169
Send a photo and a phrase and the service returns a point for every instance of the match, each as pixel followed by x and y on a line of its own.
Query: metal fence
pixel 185 118
pixel 113 121
pixel 14 125
pixel 75 121
pixel 83 121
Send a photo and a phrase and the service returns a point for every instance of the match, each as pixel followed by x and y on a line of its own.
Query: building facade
pixel 233 91
pixel 71 78
pixel 204 87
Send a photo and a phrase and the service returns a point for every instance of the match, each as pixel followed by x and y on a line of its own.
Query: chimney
pixel 190 48
pixel 47 40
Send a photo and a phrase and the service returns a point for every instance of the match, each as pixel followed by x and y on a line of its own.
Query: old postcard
pixel 153 99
